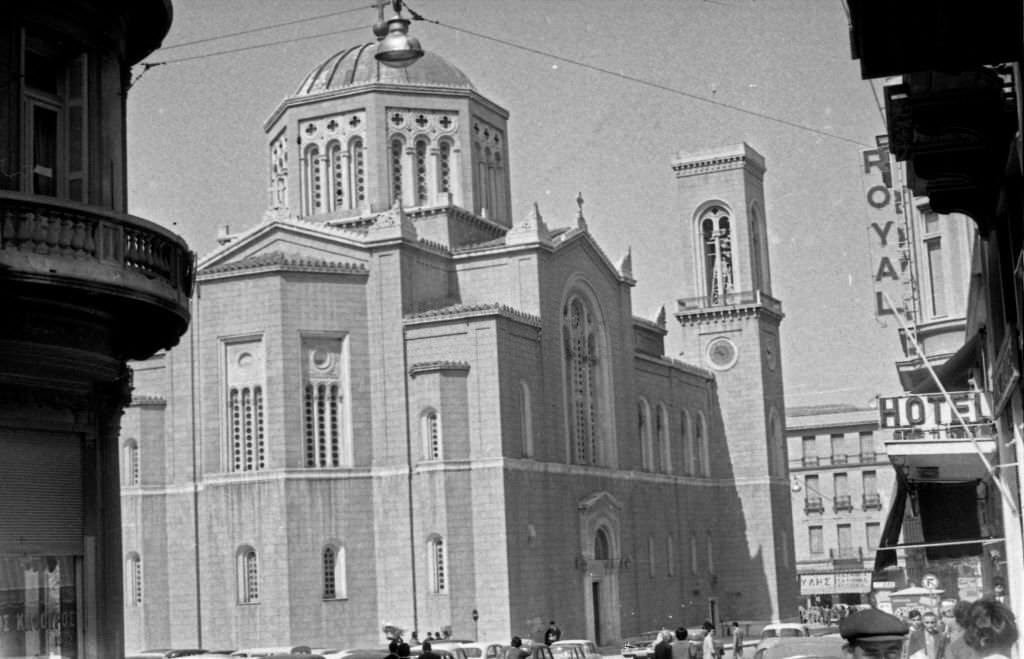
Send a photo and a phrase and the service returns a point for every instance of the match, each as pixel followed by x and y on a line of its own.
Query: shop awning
pixel 893 525
pixel 953 373
pixel 949 521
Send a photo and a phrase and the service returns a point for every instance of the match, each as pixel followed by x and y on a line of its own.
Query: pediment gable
pixel 288 242
pixel 580 238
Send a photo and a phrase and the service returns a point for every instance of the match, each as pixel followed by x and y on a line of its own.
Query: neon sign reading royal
pixel 932 411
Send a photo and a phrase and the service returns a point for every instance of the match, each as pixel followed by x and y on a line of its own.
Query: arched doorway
pixel 600 559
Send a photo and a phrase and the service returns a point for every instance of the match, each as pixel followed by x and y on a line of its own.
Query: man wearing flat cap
pixel 873 634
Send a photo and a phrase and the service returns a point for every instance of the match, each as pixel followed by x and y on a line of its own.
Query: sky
pixel 602 95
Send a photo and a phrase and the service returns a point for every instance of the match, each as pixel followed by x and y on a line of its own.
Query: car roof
pixel 810 646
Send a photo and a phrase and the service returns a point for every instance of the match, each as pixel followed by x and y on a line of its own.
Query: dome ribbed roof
pixel 357 66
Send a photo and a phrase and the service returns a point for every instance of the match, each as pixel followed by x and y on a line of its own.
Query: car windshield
pixel 789 632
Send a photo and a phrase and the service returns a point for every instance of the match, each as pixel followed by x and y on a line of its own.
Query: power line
pixel 266 27
pixel 149 65
pixel 649 83
pixel 505 42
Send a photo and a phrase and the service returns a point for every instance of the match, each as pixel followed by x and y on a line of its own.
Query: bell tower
pixel 730 325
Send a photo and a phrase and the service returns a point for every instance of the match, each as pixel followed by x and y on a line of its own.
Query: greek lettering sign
pixel 886 233
pixel 932 411
pixel 830 583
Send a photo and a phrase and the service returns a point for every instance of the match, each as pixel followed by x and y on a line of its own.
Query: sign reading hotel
pixel 832 583
pixel 886 233
pixel 933 411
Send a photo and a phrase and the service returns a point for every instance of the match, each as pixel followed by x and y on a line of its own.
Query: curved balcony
pixel 133 269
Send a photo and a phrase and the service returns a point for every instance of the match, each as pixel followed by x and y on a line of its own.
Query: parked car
pixel 166 653
pixel 567 652
pixel 778 630
pixel 454 648
pixel 792 647
pixel 539 651
pixel 588 647
pixel 484 650
pixel 639 646
pixel 303 651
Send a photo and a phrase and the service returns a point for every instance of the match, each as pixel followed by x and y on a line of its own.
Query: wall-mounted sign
pixel 887 237
pixel 831 583
pixel 1005 373
pixel 933 411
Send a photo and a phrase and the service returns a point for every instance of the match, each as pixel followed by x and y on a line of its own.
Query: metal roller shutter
pixel 41 487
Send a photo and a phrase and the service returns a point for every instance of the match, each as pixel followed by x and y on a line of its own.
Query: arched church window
pixel 478 179
pixel 583 379
pixel 687 442
pixel 337 197
pixel 756 267
pixel 396 169
pixel 602 550
pixel 421 172
pixel 644 434
pixel 700 441
pixel 314 183
pixel 662 452
pixel 444 183
pixel 716 241
pixel 358 173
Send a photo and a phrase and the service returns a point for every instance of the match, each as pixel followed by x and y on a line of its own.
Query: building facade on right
pixel 954 118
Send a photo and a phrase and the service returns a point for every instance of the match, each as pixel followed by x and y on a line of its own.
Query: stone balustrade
pixel 140 271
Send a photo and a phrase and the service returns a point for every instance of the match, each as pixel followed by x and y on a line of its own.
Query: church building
pixel 402 403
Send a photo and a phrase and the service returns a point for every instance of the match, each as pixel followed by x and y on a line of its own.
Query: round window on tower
pixel 722 353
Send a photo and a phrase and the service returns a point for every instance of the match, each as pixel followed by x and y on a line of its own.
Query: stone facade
pixel 501 435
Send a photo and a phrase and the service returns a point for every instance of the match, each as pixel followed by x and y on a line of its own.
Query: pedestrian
pixel 552 634
pixel 430 636
pixel 392 649
pixel 708 650
pixel 427 652
pixel 681 647
pixel 663 645
pixel 990 629
pixel 957 648
pixel 516 650
pixel 873 634
pixel 737 640
pixel 403 649
pixel 927 642
pixel 914 620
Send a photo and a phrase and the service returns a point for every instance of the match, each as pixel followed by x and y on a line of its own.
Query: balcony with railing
pixel 136 271
pixel 947 452
pixel 704 303
pixel 839 458
pixel 872 502
pixel 809 461
pixel 842 502
pixel 813 505
pixel 846 557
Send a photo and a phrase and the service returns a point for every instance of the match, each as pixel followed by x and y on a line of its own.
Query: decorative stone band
pixel 71 237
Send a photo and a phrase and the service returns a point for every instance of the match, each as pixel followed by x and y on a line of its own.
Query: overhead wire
pixel 505 42
pixel 149 65
pixel 650 83
pixel 272 26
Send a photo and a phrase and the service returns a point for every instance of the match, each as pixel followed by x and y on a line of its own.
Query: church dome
pixel 356 66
